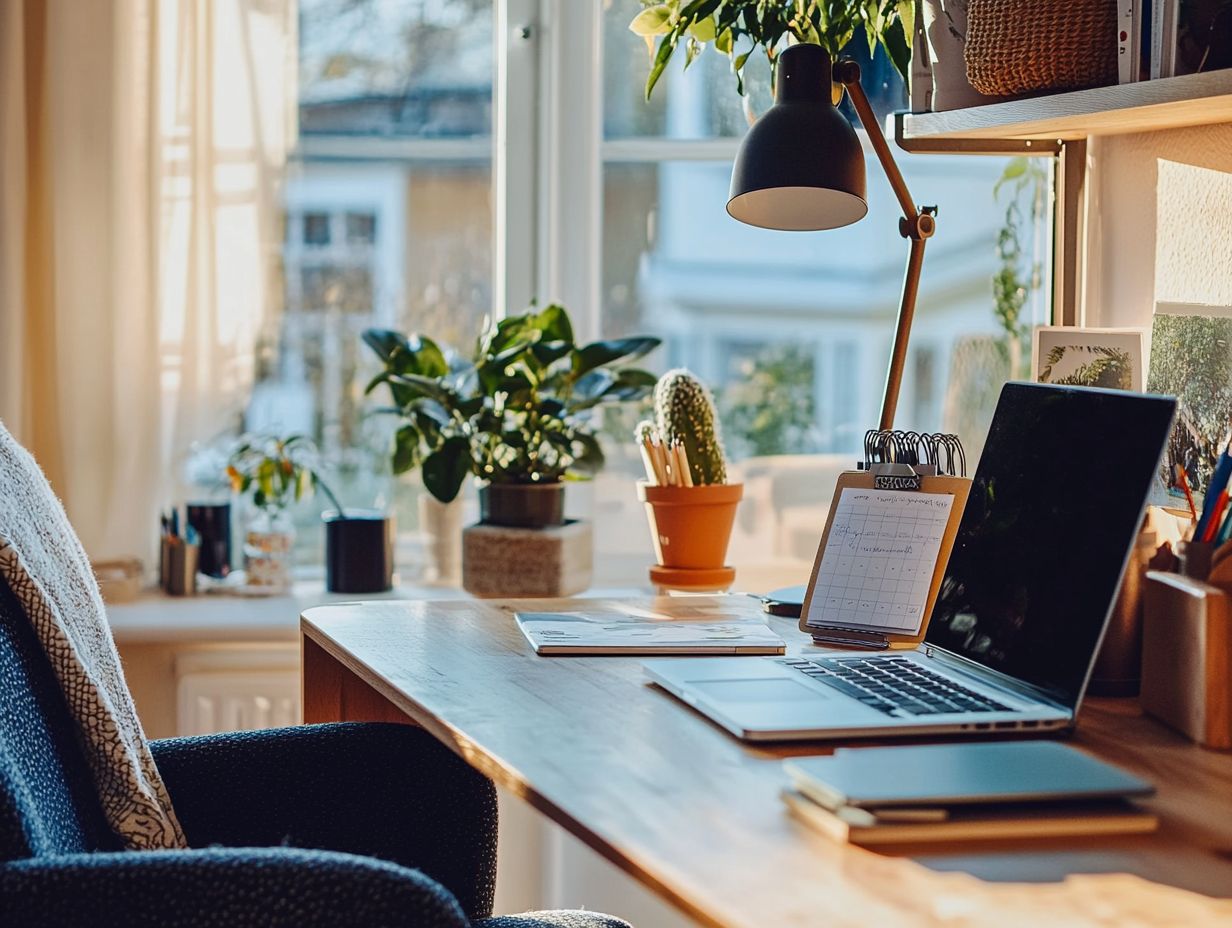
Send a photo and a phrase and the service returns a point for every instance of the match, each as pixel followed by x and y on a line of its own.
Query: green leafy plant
pixel 737 28
pixel 1017 277
pixel 520 410
pixel 685 413
pixel 277 470
pixel 771 409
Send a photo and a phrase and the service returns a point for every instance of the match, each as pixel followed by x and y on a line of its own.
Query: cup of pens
pixel 178 556
pixel 690 506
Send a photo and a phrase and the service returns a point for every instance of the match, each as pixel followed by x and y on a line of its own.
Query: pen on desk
pixel 1216 495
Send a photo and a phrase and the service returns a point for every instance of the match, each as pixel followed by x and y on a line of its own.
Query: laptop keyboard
pixel 894 685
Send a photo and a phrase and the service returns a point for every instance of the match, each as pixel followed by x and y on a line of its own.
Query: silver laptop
pixel 1054 510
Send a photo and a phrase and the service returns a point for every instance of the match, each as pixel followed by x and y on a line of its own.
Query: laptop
pixel 1055 507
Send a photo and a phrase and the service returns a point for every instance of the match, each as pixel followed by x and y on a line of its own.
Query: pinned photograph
pixel 1191 358
pixel 1112 358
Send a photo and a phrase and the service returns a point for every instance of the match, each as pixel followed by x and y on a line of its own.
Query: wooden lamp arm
pixel 917 225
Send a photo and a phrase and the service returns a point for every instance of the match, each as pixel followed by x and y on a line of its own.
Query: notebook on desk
pixel 733 626
pixel 957 792
pixel 1053 512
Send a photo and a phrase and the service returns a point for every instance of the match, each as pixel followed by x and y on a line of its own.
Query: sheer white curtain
pixel 142 144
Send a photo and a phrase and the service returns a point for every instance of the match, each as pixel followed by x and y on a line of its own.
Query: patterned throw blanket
pixel 43 562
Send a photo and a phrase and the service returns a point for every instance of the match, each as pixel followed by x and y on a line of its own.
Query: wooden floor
pixel 695 815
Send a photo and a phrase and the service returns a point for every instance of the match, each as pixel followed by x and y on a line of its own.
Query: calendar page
pixel 877 566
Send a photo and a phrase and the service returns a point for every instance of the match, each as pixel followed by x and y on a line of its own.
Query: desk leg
pixel 331 692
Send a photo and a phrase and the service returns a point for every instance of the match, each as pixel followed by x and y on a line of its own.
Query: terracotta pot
pixel 522 505
pixel 690 526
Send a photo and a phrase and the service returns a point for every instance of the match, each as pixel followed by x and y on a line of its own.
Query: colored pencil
pixel 1193 510
pixel 1216 495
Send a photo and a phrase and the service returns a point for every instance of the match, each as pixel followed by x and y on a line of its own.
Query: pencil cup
pixel 690 528
pixel 178 567
pixel 1195 558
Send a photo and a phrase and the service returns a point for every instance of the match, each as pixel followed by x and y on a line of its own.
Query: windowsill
pixel 155 617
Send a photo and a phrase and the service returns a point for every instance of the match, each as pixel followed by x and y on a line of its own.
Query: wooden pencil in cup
pixel 660 462
pixel 682 464
pixel 652 472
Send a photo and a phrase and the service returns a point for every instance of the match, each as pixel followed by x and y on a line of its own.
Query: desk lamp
pixel 801 168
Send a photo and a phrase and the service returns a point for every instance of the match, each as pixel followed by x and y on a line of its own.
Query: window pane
pixel 384 228
pixel 360 228
pixel 396 67
pixel 809 318
pixel 793 330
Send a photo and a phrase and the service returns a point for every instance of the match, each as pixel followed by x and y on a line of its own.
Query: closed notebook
pixel 974 822
pixel 957 774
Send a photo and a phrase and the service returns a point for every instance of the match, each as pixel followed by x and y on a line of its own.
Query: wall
pixel 1157 231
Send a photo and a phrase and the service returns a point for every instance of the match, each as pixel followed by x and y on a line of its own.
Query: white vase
pixel 268 555
pixel 441 527
pixel 945 25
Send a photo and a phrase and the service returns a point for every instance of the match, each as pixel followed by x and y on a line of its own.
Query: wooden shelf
pixel 1146 106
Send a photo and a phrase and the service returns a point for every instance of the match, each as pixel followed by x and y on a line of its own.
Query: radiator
pixel 240 688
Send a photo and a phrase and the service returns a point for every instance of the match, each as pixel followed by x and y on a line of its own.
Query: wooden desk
pixel 695 815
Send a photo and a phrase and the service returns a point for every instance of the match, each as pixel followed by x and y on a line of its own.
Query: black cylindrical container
pixel 212 522
pixel 359 551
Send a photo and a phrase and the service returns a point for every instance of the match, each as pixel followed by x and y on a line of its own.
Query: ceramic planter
pixel 359 551
pixel 522 505
pixel 440 524
pixel 691 526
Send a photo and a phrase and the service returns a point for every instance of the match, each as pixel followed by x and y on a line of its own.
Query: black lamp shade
pixel 800 167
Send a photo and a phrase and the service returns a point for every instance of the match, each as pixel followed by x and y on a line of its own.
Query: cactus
pixel 684 412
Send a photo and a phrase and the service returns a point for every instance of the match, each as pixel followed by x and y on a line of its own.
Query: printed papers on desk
pixel 677 628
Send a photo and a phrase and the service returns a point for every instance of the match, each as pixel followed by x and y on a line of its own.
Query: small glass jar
pixel 268 544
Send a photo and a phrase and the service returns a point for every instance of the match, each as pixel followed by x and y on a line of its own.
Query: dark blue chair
pixel 321 825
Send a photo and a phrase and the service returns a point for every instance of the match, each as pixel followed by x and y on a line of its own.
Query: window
pixel 388 217
pixel 390 206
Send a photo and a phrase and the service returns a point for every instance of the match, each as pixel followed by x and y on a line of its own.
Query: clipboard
pixel 883 445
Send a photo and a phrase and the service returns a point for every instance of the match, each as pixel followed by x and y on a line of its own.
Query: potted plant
pixel 517 415
pixel 276 472
pixel 690 505
pixel 737 28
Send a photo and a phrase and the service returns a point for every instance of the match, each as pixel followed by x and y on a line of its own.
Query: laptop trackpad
pixel 770 689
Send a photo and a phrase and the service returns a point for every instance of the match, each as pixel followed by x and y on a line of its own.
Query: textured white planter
pixel 441 525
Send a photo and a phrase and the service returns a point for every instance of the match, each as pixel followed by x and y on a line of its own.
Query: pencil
pixel 682 460
pixel 652 475
pixel 660 462
pixel 1193 510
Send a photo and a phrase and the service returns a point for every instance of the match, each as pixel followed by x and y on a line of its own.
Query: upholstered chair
pixel 345 824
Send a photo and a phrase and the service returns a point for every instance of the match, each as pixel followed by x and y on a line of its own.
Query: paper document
pixel 877 568
pixel 709 629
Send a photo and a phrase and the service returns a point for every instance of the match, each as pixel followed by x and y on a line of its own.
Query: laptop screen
pixel 1055 505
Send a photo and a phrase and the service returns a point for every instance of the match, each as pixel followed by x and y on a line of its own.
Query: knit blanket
pixel 44 564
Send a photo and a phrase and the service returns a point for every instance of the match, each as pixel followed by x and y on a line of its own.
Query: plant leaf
pixel 591 459
pixel 446 468
pixel 667 45
pixel 597 354
pixel 703 30
pixel 405 449
pixel 653 21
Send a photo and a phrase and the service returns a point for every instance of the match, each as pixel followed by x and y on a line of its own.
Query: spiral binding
pixel 917 449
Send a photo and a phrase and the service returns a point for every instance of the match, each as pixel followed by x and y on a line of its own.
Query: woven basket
pixel 1016 48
